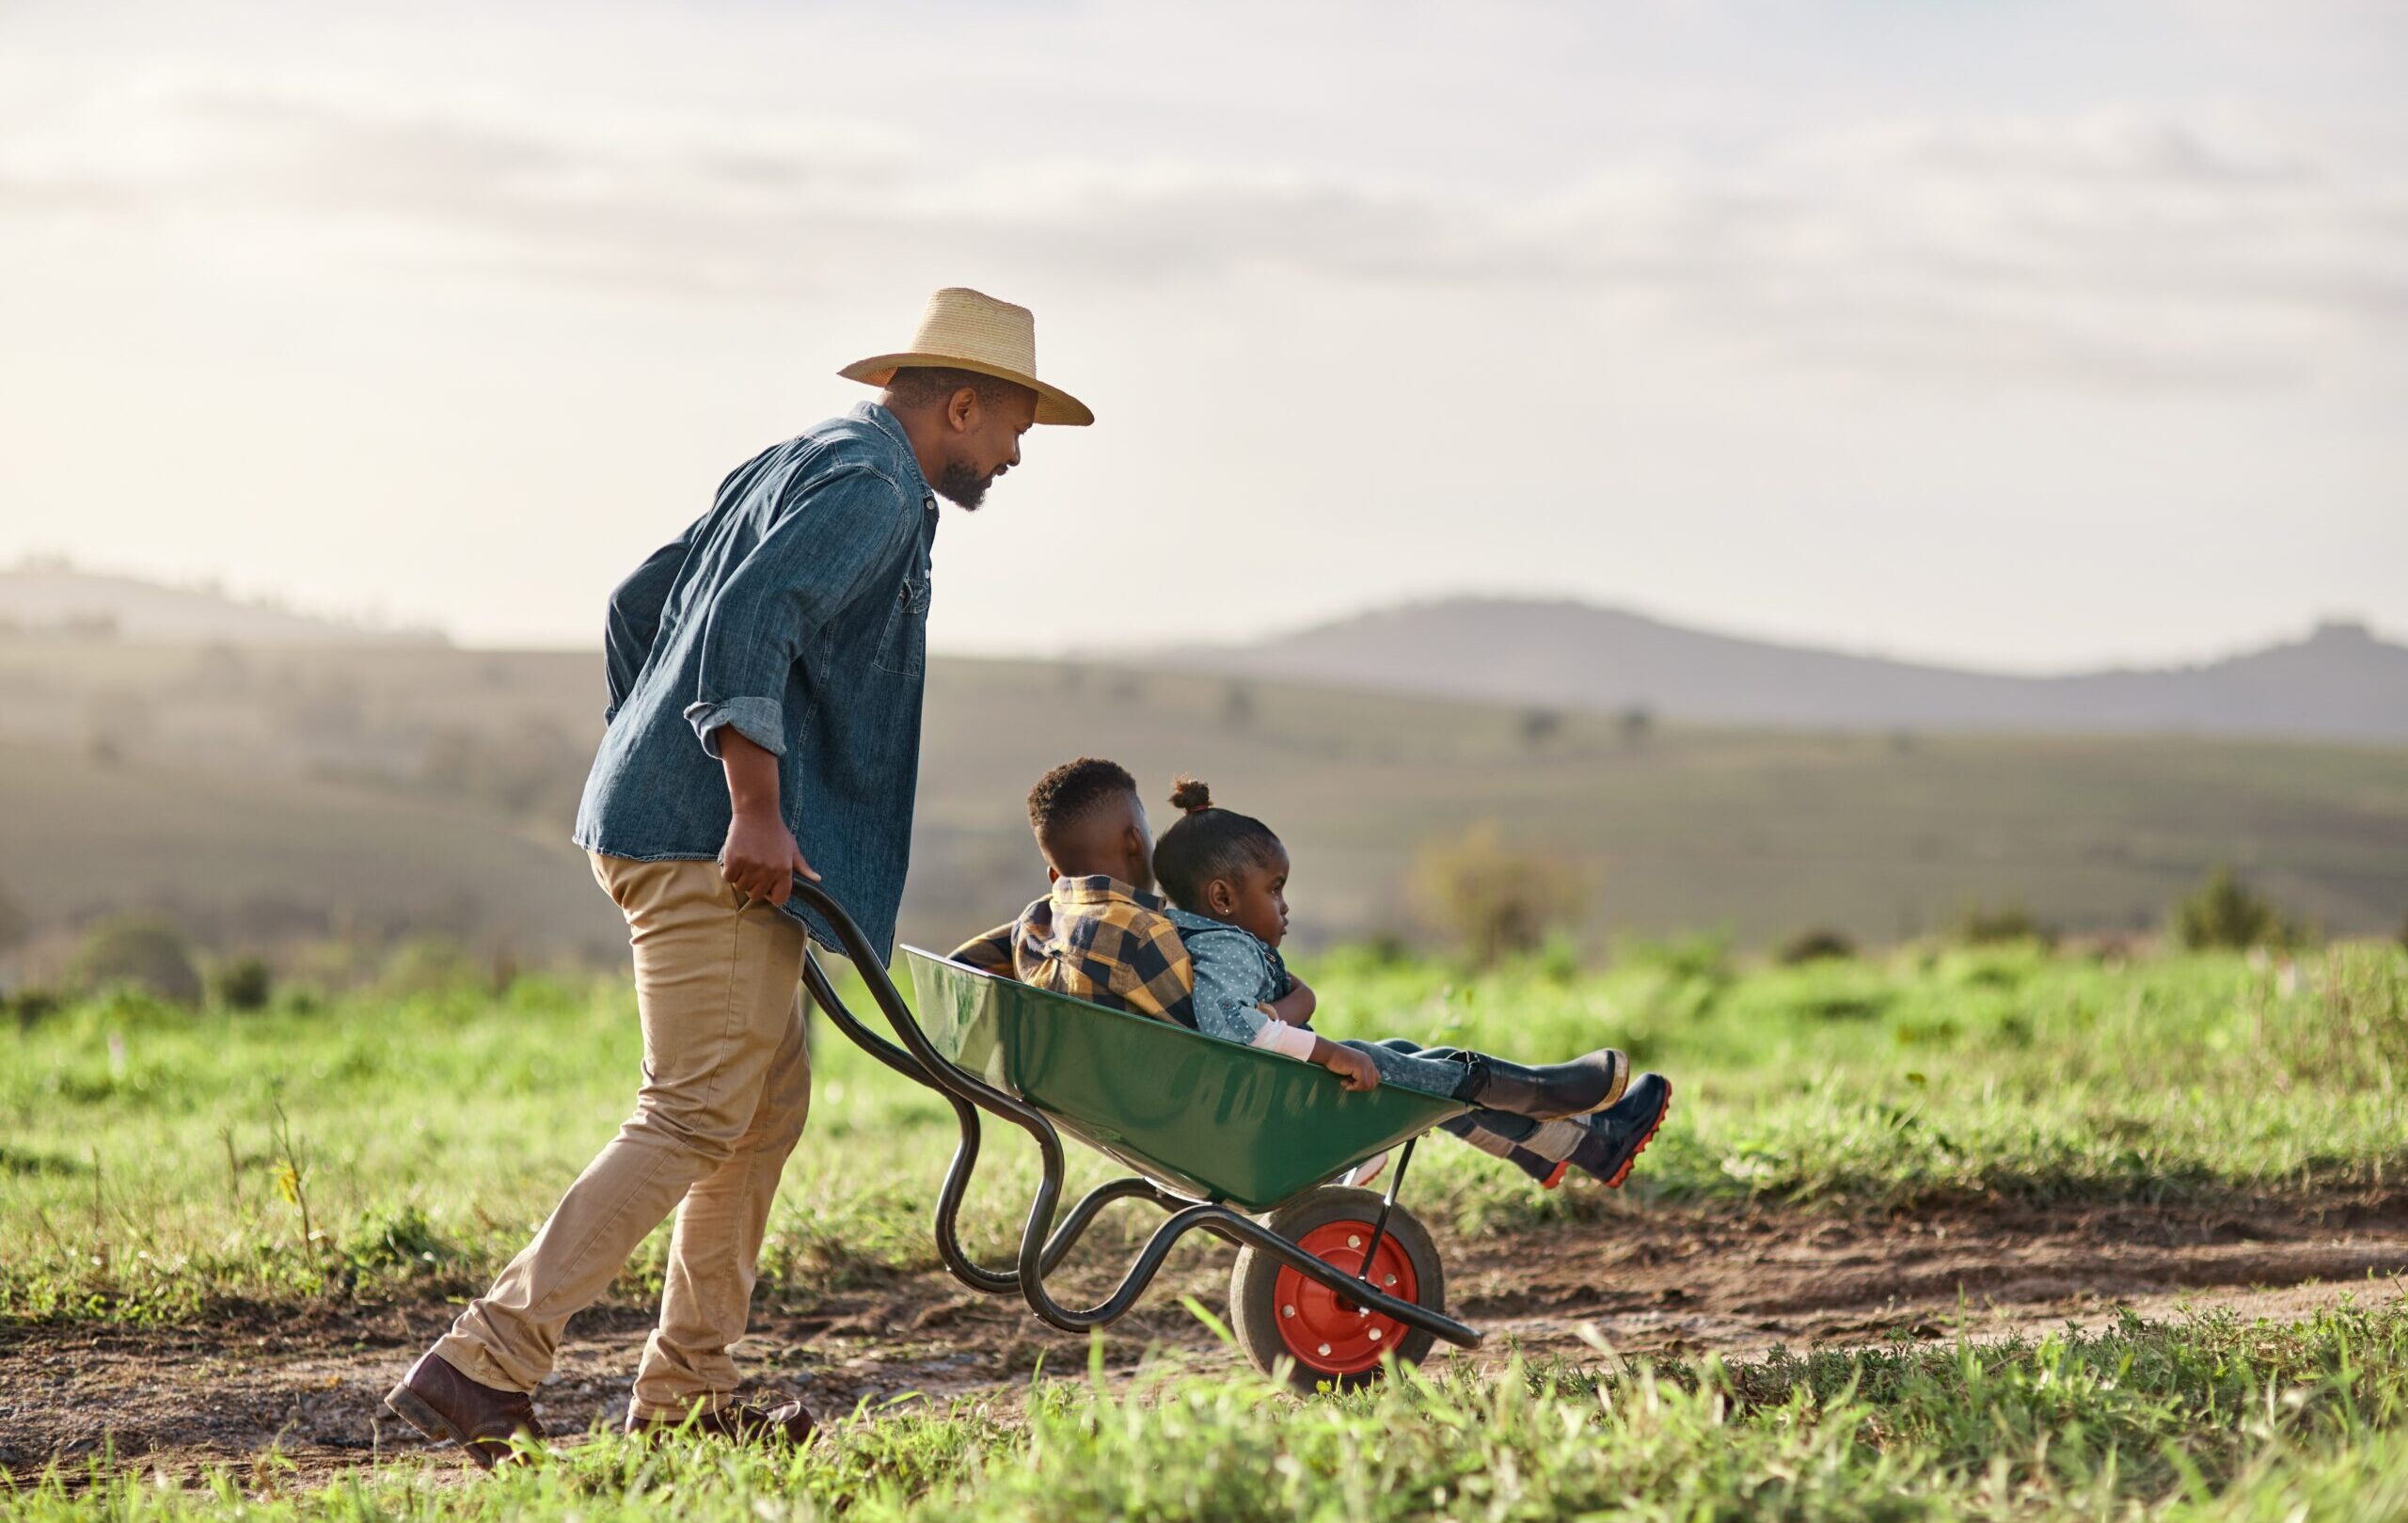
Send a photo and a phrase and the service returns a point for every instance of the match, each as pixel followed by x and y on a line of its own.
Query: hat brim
pixel 1053 405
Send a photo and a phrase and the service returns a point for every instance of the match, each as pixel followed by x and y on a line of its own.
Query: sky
pixel 2032 336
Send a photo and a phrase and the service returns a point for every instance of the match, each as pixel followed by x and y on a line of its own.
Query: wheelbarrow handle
pixel 919 1059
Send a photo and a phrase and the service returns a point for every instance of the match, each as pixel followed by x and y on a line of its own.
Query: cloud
pixel 2114 248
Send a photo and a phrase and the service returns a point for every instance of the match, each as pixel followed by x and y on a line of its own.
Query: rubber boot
pixel 1616 1136
pixel 1546 1173
pixel 1589 1083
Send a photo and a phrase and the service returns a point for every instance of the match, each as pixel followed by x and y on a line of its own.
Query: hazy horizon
pixel 375 621
pixel 2033 340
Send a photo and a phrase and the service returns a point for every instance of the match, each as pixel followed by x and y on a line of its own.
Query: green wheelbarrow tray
pixel 1215 1129
pixel 1210 1119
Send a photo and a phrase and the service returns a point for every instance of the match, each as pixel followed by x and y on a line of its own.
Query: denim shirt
pixel 1236 973
pixel 795 611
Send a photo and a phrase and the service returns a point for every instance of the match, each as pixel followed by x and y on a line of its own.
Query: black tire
pixel 1262 1320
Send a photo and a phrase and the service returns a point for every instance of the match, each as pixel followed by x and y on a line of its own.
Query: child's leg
pixel 1550 1091
pixel 1437 1071
pixel 1493 1132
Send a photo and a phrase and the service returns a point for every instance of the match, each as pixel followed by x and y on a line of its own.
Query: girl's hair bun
pixel 1191 794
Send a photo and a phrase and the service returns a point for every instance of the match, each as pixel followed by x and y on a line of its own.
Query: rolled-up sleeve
pixel 831 542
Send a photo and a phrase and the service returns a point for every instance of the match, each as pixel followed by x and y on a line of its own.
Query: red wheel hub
pixel 1332 1335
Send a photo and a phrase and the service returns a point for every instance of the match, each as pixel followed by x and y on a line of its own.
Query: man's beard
pixel 961 486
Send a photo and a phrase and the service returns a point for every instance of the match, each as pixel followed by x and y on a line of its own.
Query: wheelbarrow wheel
pixel 1280 1314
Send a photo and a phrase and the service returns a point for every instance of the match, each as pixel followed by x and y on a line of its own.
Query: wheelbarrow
pixel 1330 1280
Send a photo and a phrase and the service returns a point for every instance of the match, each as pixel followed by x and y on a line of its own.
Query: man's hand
pixel 761 856
pixel 1354 1070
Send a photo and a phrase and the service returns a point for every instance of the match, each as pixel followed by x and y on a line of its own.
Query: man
pixel 764 674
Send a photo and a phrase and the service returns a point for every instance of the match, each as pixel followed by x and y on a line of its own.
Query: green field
pixel 157 1164
pixel 141 1149
pixel 262 798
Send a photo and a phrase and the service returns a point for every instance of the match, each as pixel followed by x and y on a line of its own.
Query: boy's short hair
pixel 1073 789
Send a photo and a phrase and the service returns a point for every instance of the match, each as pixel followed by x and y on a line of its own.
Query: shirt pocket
pixel 903 649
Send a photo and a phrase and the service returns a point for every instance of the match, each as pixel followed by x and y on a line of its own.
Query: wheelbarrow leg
pixel 1388 1203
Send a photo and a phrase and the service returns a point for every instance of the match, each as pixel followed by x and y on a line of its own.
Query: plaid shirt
pixel 1098 939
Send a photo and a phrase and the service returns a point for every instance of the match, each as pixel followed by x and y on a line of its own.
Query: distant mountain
pixel 49 597
pixel 2340 682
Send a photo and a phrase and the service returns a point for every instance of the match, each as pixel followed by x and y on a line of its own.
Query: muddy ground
pixel 305 1383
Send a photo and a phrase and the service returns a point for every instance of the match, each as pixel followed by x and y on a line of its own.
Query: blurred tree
pixel 140 950
pixel 1635 724
pixel 430 965
pixel 246 983
pixel 2224 911
pixel 1493 899
pixel 1983 926
pixel 1819 944
pixel 1539 725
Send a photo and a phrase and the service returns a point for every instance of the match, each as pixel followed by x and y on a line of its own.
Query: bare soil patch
pixel 268 1387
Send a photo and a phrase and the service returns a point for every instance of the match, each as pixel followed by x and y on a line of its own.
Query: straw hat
pixel 969 330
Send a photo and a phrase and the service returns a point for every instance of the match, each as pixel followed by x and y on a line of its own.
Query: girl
pixel 1225 875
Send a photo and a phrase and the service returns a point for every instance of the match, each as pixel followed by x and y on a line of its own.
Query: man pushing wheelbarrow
pixel 753 793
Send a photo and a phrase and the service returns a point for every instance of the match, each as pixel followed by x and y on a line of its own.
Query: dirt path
pixel 305 1384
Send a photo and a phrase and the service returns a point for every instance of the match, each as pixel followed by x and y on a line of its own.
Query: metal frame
pixel 1043 1246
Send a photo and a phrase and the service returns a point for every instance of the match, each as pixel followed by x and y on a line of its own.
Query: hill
pixel 40 596
pixel 240 859
pixel 2339 683
pixel 397 788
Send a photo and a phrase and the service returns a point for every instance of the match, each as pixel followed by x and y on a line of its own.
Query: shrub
pixel 430 965
pixel 1704 957
pixel 1494 899
pixel 1980 926
pixel 1820 945
pixel 2224 911
pixel 246 984
pixel 395 1238
pixel 139 950
pixel 30 1006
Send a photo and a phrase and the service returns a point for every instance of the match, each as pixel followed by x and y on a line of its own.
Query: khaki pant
pixel 726 1083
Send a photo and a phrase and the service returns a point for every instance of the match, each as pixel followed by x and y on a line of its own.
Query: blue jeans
pixel 1442 1070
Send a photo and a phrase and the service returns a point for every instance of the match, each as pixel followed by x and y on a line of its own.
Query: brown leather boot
pixel 739 1422
pixel 441 1403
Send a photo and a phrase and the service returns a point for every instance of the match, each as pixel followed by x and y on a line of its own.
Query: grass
pixel 2211 1419
pixel 156 1163
pixel 153 1161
